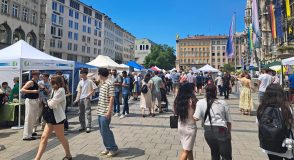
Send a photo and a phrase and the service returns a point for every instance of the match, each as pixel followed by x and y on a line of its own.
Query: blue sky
pixel 161 20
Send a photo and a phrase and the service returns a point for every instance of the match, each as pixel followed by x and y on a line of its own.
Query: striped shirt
pixel 106 91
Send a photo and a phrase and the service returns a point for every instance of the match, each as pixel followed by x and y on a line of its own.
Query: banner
pixel 230 43
pixel 278 14
pixel 273 21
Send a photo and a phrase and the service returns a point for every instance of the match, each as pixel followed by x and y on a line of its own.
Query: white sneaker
pixel 122 116
pixel 126 114
pixel 112 153
pixel 103 153
pixel 116 114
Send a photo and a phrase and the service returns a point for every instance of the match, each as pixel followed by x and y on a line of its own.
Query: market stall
pixel 208 68
pixel 104 62
pixel 20 57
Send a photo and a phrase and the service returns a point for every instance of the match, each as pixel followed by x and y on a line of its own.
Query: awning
pixel 135 65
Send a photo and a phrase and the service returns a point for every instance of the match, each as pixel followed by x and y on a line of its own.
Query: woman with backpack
pixel 146 97
pixel 184 107
pixel 216 119
pixel 275 124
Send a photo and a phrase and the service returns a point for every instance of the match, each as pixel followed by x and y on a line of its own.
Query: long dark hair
pixel 181 103
pixel 211 93
pixel 274 96
pixel 147 78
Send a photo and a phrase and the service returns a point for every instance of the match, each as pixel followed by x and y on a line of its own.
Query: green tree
pixel 161 56
pixel 228 68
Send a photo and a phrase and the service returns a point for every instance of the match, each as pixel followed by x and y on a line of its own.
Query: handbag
pixel 173 121
pixel 48 114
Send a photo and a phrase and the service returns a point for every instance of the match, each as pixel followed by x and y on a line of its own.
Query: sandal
pixel 67 158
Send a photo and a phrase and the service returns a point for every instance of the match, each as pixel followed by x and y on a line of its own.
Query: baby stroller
pixel 164 101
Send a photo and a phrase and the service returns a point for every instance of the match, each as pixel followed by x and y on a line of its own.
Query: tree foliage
pixel 161 56
pixel 228 68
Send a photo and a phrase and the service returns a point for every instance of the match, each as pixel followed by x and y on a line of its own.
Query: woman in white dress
pixel 184 107
pixel 146 97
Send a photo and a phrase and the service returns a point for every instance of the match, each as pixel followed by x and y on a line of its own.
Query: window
pixel 213 54
pixel 4 8
pixel 89 20
pixel 218 43
pixel 95 32
pixel 83 49
pixel 99 42
pixel 53 30
pixel 77 15
pixel 59 44
pixel 61 1
pixel 84 18
pixel 72 57
pixel 34 18
pixel 218 48
pixel 218 54
pixel 98 16
pixel 141 47
pixel 223 53
pixel 84 39
pixel 84 28
pixel 88 50
pixel 60 32
pixel 69 35
pixel 69 46
pixel 76 26
pixel 15 10
pixel 61 21
pixel 88 39
pixel 95 50
pixel 75 47
pixel 70 23
pixel 147 47
pixel 52 42
pixel 89 30
pixel 61 9
pixel 53 18
pixel 70 12
pixel 54 6
pixel 224 48
pixel 76 37
pixel 74 4
pixel 99 34
pixel 96 23
pixel 25 12
pixel 95 41
pixel 88 11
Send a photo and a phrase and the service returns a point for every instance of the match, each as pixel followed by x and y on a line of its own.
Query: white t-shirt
pixel 86 87
pixel 220 113
pixel 265 80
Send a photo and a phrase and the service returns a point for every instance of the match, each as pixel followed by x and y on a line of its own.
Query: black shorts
pixel 54 123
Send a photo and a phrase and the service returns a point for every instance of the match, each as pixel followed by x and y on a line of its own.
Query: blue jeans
pixel 220 89
pixel 106 133
pixel 126 103
pixel 260 96
pixel 116 108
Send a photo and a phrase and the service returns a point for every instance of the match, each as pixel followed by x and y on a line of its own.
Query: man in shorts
pixel 175 81
pixel 156 94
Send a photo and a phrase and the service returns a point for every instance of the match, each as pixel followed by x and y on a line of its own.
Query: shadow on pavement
pixel 7 134
pixel 130 153
pixel 85 157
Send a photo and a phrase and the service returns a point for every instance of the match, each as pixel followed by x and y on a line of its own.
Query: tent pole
pixel 19 106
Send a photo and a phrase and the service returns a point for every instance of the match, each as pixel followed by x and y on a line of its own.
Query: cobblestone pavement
pixel 138 138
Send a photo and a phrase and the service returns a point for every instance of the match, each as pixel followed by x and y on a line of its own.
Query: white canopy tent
pixel 208 68
pixel 104 62
pixel 288 61
pixel 21 56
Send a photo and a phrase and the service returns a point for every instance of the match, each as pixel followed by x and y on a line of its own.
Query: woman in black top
pixel 31 91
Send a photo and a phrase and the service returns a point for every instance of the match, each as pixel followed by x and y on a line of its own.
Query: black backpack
pixel 272 130
pixel 144 89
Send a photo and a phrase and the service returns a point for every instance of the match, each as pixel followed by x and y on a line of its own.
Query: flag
pixel 288 10
pixel 273 21
pixel 255 17
pixel 230 43
pixel 278 14
pixel 250 39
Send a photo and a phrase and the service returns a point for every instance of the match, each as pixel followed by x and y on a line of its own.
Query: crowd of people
pixel 46 105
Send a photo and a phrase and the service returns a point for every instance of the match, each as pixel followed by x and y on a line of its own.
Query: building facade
pixel 142 49
pixel 197 51
pixel 129 47
pixel 19 20
pixel 67 29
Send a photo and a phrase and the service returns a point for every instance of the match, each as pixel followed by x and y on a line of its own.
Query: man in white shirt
pixel 264 80
pixel 85 89
pixel 219 83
